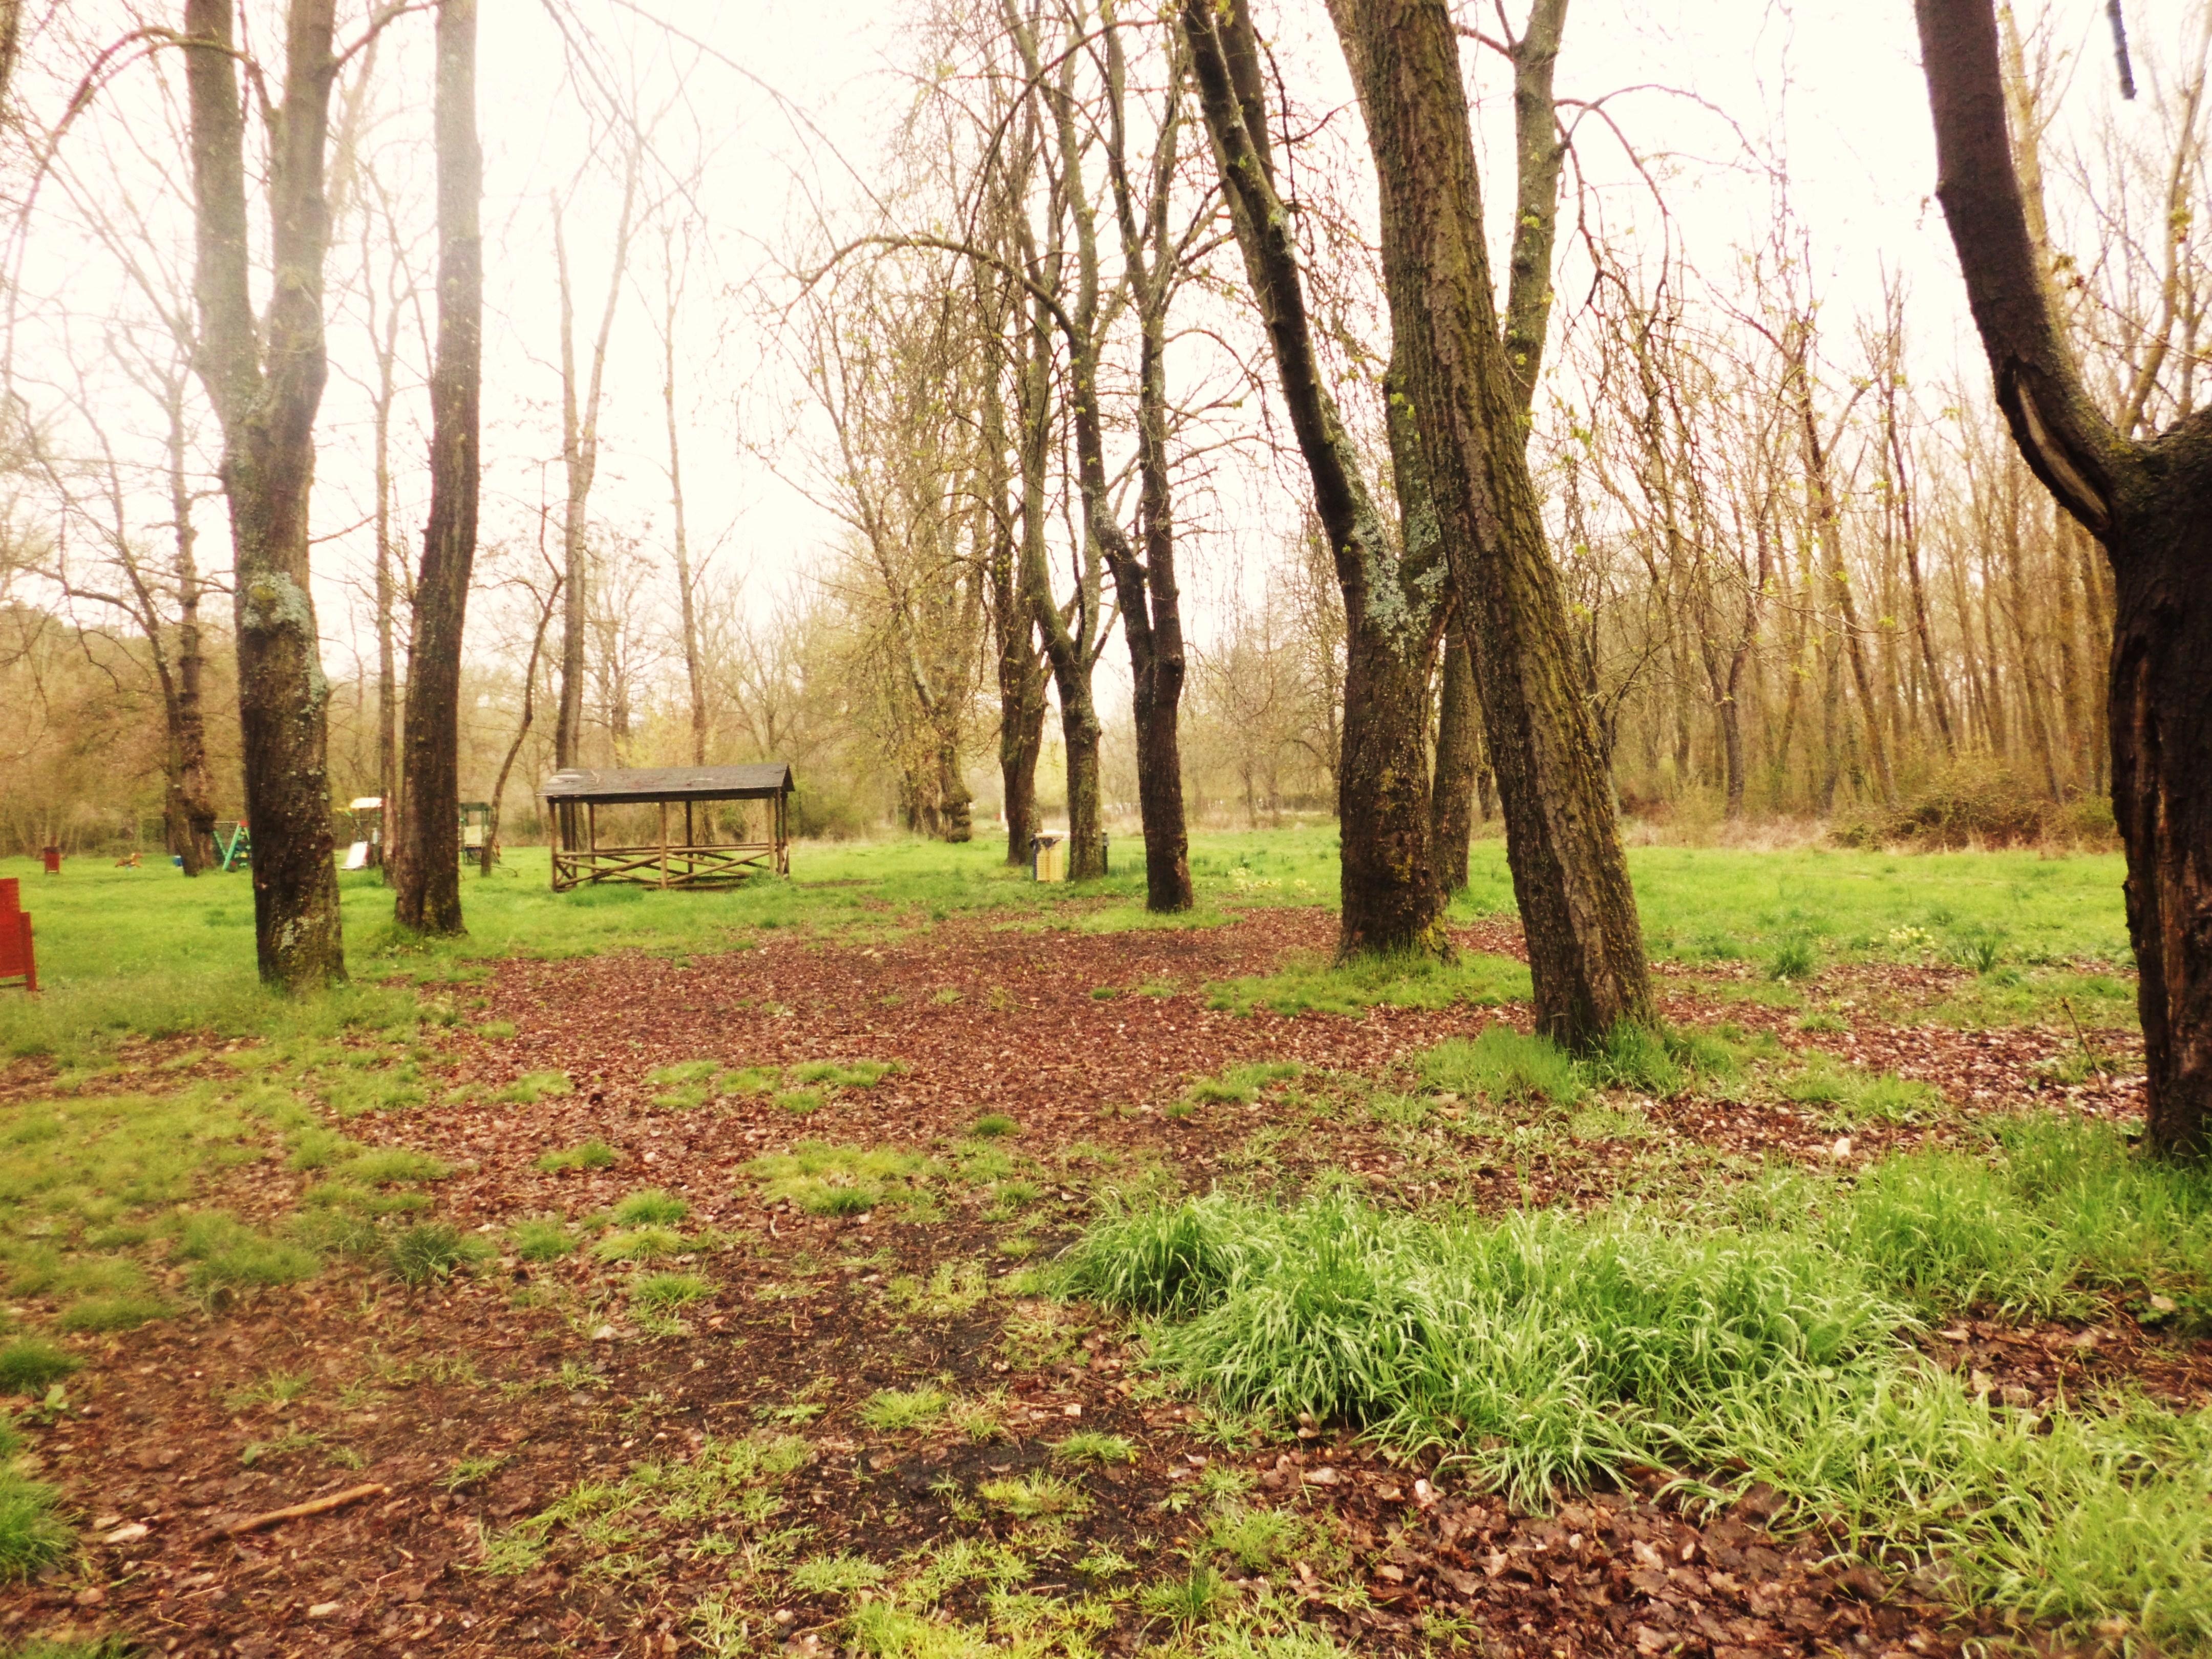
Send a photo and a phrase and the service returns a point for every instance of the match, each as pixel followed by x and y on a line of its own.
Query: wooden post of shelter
pixel 700 860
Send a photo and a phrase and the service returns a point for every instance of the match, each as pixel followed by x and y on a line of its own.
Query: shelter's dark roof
pixel 651 783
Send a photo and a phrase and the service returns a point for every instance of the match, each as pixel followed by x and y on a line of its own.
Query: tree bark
pixel 489 853
pixel 1393 608
pixel 265 384
pixel 580 459
pixel 2150 503
pixel 1579 912
pixel 694 673
pixel 1014 627
pixel 1150 602
pixel 1459 759
pixel 430 815
pixel 195 790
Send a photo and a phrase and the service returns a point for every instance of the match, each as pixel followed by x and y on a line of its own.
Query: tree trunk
pixel 1150 601
pixel 1393 611
pixel 1579 912
pixel 268 419
pixel 2150 504
pixel 1458 758
pixel 1013 629
pixel 1065 650
pixel 695 674
pixel 195 792
pixel 384 593
pixel 430 815
pixel 579 459
pixel 489 853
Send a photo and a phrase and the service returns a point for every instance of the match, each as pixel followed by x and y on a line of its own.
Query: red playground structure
pixel 18 966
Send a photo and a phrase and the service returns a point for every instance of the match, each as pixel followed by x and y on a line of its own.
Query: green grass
pixel 1241 1085
pixel 843 1074
pixel 1033 1497
pixel 892 1411
pixel 1854 1095
pixel 651 1205
pixel 30 1365
pixel 592 1154
pixel 826 1179
pixel 544 1239
pixel 835 1575
pixel 1317 985
pixel 386 1166
pixel 1502 1066
pixel 430 1251
pixel 1094 1446
pixel 1552 1349
pixel 665 1292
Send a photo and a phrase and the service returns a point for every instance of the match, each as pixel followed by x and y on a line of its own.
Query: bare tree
pixel 2148 501
pixel 429 898
pixel 580 440
pixel 264 377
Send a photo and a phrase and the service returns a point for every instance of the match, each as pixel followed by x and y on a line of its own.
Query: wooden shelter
pixel 669 860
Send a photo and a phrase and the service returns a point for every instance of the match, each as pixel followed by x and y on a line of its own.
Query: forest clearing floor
pixel 734 1326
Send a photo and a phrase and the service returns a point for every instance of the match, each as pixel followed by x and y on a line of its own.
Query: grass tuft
pixel 652 1205
pixel 1504 1066
pixel 593 1154
pixel 429 1251
pixel 30 1365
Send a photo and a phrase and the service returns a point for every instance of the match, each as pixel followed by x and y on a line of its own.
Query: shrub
pixel 1974 802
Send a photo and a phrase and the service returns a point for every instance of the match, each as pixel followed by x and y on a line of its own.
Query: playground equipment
pixel 18 965
pixel 575 797
pixel 232 850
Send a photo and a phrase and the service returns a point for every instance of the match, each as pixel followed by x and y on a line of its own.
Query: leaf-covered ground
pixel 743 1339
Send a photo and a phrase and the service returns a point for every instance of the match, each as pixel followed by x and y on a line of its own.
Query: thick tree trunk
pixel 430 867
pixel 1393 610
pixel 267 416
pixel 2150 503
pixel 1459 759
pixel 1579 912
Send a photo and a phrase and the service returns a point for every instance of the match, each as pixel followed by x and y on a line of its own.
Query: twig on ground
pixel 336 1500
